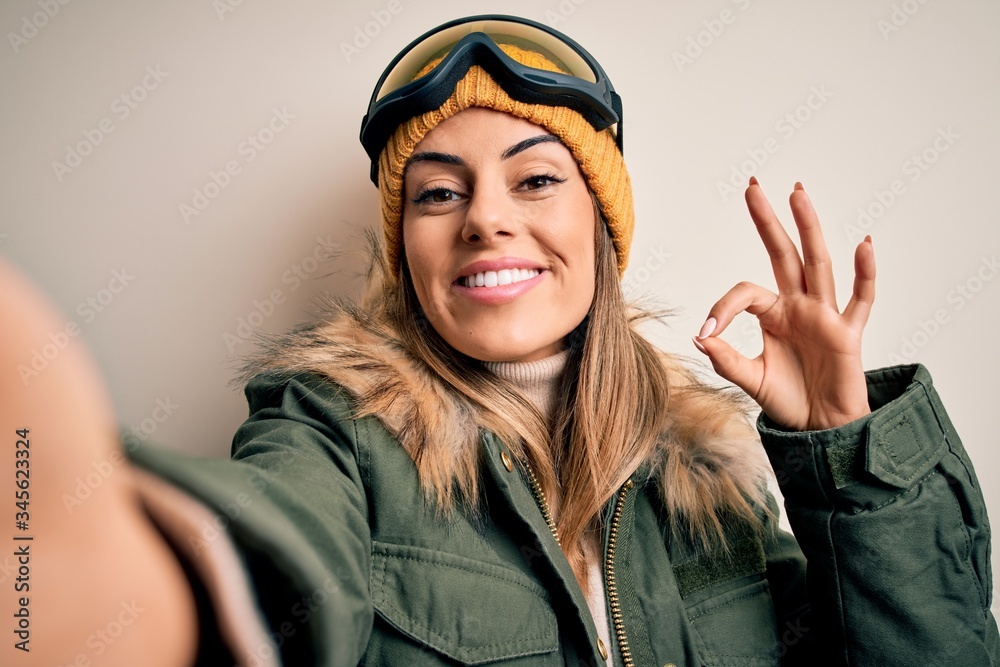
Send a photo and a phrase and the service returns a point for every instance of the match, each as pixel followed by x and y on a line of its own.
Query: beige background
pixel 886 80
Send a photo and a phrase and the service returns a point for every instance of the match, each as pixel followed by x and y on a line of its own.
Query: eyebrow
pixel 430 156
pixel 448 158
pixel 528 143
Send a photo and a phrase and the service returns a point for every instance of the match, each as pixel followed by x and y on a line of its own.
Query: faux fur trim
pixel 709 464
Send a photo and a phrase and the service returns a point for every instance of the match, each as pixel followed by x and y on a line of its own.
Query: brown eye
pixel 442 195
pixel 539 181
pixel 436 196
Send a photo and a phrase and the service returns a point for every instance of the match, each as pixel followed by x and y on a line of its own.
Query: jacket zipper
pixel 543 504
pixel 617 618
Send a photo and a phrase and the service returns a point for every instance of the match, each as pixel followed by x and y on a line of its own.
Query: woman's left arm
pixel 878 488
pixel 891 519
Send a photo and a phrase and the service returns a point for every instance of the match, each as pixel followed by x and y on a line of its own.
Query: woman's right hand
pixel 87 571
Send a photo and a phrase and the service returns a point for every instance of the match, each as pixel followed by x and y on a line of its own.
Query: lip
pixel 499 264
pixel 500 293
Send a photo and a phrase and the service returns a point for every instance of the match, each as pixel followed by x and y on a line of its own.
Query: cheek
pixel 580 237
pixel 415 259
pixel 585 235
pixel 422 253
pixel 573 241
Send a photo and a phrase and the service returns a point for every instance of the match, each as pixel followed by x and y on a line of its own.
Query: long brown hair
pixel 613 415
pixel 623 406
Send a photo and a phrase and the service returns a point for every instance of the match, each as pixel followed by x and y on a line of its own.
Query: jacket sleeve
pixel 294 506
pixel 892 524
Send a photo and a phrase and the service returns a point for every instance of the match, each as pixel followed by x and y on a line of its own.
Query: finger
pixel 860 306
pixel 785 260
pixel 817 267
pixel 744 296
pixel 728 363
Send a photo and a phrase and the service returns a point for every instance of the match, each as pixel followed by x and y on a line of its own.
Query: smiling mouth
pixel 497 278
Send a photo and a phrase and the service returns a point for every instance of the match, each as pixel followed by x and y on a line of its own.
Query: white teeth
pixel 502 277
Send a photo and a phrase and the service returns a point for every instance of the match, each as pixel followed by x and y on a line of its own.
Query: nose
pixel 489 216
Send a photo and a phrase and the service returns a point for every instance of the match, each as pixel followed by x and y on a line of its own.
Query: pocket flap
pixel 470 611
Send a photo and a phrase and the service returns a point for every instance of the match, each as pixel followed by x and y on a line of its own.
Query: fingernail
pixel 707 328
pixel 868 239
pixel 698 345
pixel 753 180
pixel 799 186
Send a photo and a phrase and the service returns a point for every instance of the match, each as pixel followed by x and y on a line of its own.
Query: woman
pixel 484 463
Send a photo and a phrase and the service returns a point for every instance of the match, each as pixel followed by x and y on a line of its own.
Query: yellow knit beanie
pixel 596 152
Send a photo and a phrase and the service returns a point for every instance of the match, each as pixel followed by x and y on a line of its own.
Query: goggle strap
pixel 616 104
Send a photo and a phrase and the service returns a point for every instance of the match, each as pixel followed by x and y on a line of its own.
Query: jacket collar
pixel 707 450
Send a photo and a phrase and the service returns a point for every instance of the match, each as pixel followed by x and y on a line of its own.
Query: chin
pixel 495 338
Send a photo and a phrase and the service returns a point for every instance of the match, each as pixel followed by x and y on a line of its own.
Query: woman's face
pixel 498 231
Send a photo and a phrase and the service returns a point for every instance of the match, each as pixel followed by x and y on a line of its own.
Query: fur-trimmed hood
pixel 709 456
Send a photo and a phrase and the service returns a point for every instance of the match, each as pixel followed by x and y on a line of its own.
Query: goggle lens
pixel 502 32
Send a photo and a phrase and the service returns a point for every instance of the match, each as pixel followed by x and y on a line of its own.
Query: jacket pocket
pixel 736 627
pixel 473 612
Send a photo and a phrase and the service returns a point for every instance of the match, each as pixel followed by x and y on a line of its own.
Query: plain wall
pixel 887 111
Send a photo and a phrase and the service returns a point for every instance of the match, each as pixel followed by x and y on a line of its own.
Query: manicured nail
pixel 753 180
pixel 707 328
pixel 698 345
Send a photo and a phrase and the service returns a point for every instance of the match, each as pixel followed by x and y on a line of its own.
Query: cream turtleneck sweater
pixel 539 381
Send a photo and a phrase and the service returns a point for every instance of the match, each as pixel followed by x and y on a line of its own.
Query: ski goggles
pixel 475 40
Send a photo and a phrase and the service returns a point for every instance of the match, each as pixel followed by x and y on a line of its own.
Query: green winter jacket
pixel 350 566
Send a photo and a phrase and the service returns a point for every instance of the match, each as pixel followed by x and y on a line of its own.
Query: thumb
pixel 729 364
